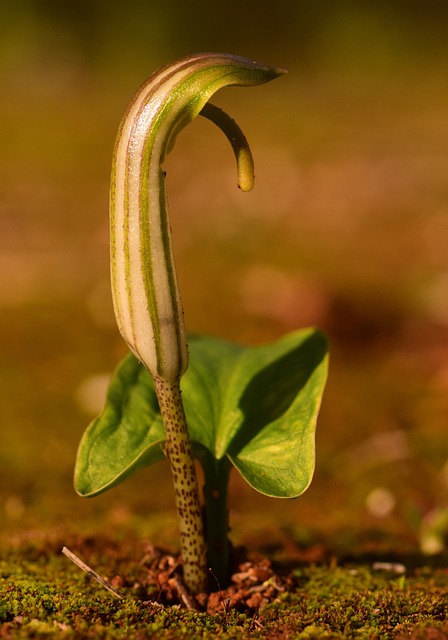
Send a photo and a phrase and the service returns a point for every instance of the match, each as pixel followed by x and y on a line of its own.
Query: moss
pixel 357 602
pixel 42 595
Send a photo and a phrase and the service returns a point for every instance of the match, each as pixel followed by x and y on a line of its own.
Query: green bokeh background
pixel 347 229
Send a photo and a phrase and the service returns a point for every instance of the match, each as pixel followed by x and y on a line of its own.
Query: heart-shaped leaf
pixel 127 436
pixel 256 405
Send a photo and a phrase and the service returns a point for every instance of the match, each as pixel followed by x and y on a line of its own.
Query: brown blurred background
pixel 347 229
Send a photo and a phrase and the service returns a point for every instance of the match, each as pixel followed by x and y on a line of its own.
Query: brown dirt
pixel 253 583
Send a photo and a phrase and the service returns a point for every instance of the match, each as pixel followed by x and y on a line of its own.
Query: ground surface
pixel 307 594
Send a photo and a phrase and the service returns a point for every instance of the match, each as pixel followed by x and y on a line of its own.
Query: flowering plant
pixel 252 408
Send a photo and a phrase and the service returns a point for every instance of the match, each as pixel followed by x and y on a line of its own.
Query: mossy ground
pixel 44 595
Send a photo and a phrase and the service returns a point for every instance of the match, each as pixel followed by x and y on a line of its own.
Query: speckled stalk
pixel 180 456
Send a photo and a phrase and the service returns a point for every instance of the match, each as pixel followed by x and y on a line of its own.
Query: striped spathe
pixel 147 302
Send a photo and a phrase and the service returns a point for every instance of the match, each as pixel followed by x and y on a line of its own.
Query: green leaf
pixel 127 436
pixel 256 405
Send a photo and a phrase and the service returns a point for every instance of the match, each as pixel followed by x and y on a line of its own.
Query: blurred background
pixel 346 229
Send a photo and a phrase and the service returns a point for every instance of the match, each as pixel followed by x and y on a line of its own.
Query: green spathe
pixel 145 291
pixel 257 406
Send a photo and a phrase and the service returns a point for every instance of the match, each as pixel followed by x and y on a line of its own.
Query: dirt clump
pixel 253 583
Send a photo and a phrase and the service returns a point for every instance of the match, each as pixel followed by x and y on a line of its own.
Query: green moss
pixel 42 595
pixel 358 602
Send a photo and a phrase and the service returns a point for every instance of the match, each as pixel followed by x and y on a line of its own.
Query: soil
pixel 253 583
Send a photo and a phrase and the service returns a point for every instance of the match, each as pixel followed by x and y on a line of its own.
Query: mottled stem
pixel 179 453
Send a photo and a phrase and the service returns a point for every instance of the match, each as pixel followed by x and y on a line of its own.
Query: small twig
pixel 186 598
pixel 226 601
pixel 256 624
pixel 93 574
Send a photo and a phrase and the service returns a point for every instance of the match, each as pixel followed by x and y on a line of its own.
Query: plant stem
pixel 180 456
pixel 216 474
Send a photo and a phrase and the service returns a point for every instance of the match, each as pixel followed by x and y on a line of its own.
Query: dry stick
pixel 93 574
pixel 177 583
